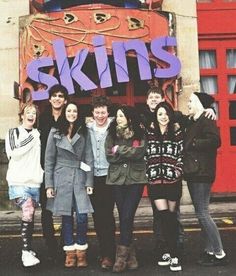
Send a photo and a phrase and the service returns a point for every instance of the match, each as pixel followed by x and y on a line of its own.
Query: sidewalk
pixel 224 214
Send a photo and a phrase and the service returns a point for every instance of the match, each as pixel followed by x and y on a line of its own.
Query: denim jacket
pixel 98 145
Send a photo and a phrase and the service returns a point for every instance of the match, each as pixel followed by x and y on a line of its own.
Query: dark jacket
pixel 46 122
pixel 127 165
pixel 147 116
pixel 200 149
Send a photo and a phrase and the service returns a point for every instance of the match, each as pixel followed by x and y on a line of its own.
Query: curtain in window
pixel 232 84
pixel 209 85
pixel 207 59
pixel 231 58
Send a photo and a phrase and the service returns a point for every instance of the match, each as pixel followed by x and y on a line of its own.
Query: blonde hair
pixel 28 105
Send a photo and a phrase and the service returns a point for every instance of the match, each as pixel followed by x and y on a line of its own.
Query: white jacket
pixel 23 152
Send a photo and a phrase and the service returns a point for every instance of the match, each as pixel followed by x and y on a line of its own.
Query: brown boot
pixel 70 260
pixel 132 262
pixel 122 253
pixel 106 263
pixel 81 252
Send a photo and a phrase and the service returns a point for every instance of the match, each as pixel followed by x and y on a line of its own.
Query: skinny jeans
pixel 127 198
pixel 200 195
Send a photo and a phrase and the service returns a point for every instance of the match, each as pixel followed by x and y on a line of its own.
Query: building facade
pixel 182 18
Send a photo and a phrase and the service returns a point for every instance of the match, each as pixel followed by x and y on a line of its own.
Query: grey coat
pixel 64 175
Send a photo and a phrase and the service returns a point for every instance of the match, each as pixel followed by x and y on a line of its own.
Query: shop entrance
pixel 218 78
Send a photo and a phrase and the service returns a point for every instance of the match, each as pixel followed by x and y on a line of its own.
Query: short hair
pixel 156 90
pixel 58 88
pixel 99 101
pixel 25 106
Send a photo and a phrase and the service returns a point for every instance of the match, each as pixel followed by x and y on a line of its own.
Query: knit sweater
pixel 164 157
pixel 23 152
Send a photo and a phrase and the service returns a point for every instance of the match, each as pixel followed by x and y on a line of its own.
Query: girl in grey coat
pixel 69 180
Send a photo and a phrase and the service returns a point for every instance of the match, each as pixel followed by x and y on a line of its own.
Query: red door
pixel 218 77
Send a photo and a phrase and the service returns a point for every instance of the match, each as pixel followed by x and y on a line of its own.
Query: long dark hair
pixel 79 125
pixel 171 124
pixel 133 121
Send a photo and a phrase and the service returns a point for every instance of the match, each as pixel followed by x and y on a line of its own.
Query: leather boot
pixel 70 260
pixel 132 262
pixel 122 253
pixel 81 253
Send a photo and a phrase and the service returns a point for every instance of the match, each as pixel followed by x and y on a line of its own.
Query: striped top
pixel 23 152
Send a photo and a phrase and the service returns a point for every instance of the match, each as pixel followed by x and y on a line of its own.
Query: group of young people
pixel 90 167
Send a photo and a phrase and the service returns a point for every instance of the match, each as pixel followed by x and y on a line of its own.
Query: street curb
pixel 223 213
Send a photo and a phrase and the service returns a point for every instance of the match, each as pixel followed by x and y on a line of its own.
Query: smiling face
pixel 29 117
pixel 57 100
pixel 153 100
pixel 194 105
pixel 71 113
pixel 162 117
pixel 100 115
pixel 121 119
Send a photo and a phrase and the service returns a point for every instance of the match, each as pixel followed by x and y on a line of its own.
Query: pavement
pixel 223 212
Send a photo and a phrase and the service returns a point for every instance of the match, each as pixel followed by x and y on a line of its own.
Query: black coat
pixel 46 122
pixel 200 149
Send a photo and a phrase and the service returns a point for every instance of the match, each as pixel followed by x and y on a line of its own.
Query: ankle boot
pixel 122 253
pixel 81 253
pixel 70 253
pixel 132 262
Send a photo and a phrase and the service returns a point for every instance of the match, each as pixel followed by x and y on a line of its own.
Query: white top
pixel 23 152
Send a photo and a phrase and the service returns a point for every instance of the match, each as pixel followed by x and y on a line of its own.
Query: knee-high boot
pixel 169 225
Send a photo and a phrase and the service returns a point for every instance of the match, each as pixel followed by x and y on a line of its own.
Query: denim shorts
pixel 23 193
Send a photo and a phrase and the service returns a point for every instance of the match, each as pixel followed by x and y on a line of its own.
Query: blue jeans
pixel 81 229
pixel 127 198
pixel 200 194
pixel 23 193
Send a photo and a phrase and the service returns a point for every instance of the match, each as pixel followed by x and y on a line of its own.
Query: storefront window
pixel 207 59
pixel 233 136
pixel 209 84
pixel 231 58
pixel 232 84
pixel 118 89
pixel 232 110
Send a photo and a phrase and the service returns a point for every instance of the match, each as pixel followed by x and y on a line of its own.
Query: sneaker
pixel 211 260
pixel 220 262
pixel 165 260
pixel 175 264
pixel 28 259
pixel 32 252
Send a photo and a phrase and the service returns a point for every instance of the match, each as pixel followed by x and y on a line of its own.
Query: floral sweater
pixel 164 157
